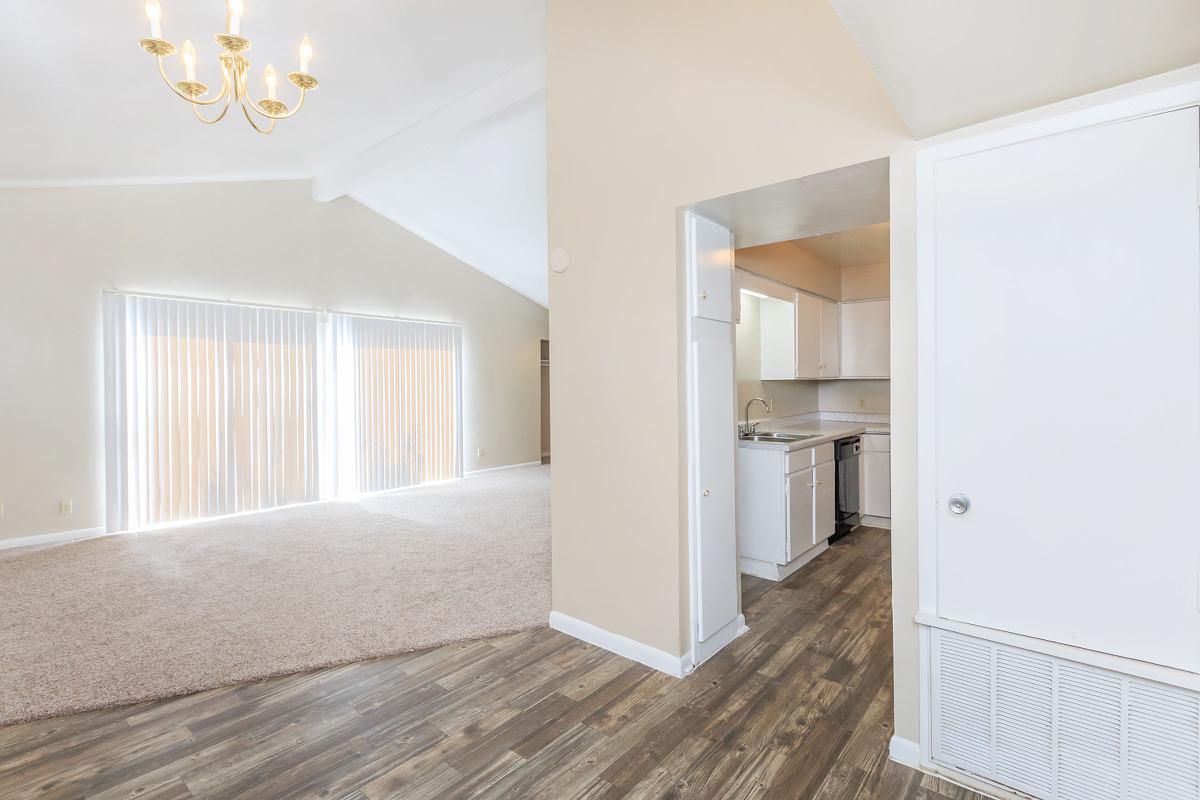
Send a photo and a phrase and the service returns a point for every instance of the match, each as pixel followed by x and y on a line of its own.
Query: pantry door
pixel 1066 388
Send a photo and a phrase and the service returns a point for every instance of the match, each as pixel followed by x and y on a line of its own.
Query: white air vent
pixel 1059 730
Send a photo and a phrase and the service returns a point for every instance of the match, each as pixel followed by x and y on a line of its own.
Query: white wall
pixel 252 242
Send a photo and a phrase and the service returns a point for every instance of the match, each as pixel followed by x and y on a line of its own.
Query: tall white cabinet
pixel 865 339
pixel 711 437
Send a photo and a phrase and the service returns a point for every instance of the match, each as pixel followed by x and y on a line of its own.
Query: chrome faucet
pixel 748 429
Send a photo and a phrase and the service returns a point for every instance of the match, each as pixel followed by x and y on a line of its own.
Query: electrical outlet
pixel 862 403
pixel 1 508
pixel 479 453
pixel 66 507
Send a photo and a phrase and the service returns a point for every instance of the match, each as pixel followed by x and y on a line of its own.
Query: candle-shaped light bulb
pixel 305 53
pixel 272 82
pixel 154 14
pixel 188 54
pixel 233 17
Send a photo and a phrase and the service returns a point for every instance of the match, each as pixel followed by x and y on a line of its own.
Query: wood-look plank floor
pixel 799 707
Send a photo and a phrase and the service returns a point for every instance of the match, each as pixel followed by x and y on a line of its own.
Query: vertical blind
pixel 398 401
pixel 214 408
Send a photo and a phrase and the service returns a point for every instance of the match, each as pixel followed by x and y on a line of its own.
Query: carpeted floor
pixel 126 618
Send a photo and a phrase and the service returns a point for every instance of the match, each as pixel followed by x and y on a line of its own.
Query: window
pixel 217 408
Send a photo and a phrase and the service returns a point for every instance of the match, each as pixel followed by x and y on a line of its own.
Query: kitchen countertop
pixel 825 431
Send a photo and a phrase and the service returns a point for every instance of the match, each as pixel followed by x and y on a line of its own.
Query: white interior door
pixel 1067 401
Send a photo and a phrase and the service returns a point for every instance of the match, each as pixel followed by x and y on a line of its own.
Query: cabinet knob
pixel 704 295
pixel 706 492
pixel 959 504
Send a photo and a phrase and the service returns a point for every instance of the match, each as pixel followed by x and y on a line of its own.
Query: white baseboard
pixel 908 753
pixel 905 751
pixel 661 660
pixel 703 651
pixel 53 538
pixel 777 572
pixel 475 472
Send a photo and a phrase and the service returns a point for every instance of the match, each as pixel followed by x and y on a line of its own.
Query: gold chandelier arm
pixel 292 113
pixel 250 118
pixel 224 86
pixel 219 117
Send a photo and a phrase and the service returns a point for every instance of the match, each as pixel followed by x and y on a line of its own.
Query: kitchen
pixel 812 361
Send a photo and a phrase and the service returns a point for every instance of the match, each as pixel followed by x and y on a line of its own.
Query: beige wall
pixel 254 242
pixel 791 264
pixel 858 396
pixel 866 281
pixel 653 106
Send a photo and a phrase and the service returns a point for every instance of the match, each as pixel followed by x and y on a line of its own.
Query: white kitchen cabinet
pixel 865 339
pixel 786 507
pixel 800 506
pixel 712 262
pixel 824 501
pixel 808 336
pixel 831 348
pixel 793 339
pixel 777 339
pixel 877 475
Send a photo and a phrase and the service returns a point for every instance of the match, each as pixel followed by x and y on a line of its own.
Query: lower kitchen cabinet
pixel 786 506
pixel 877 476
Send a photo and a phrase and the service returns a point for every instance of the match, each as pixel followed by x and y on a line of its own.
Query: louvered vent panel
pixel 1089 735
pixel 1024 722
pixel 964 713
pixel 1164 744
pixel 1060 730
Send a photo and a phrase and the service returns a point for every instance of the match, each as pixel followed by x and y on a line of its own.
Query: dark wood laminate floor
pixel 799 707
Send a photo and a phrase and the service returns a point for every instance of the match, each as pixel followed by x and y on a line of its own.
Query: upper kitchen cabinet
pixel 831 347
pixel 793 341
pixel 865 341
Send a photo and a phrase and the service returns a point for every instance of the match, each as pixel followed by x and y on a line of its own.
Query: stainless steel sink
pixel 775 437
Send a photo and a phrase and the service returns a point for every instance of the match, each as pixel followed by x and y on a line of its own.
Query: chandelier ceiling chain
pixel 234 69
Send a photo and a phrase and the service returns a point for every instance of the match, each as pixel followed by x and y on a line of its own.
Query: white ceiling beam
pixel 475 110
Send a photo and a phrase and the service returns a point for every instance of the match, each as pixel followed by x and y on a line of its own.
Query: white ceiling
pixel 950 63
pixel 84 104
pixel 867 245
pixel 837 200
pixel 480 197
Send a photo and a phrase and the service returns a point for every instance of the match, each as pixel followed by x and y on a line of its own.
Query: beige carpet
pixel 126 618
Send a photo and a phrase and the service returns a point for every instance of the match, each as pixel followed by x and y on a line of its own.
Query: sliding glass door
pixel 215 408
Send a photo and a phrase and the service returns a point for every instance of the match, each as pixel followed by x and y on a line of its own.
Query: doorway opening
pixel 788 330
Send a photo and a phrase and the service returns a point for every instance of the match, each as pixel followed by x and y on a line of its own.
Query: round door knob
pixel 960 504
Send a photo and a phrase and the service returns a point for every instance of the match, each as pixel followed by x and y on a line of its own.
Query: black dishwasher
pixel 849 508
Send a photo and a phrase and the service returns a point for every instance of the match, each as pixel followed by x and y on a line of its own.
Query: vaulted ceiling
pixel 950 63
pixel 432 112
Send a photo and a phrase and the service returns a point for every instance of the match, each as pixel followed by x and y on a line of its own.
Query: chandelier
pixel 234 69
